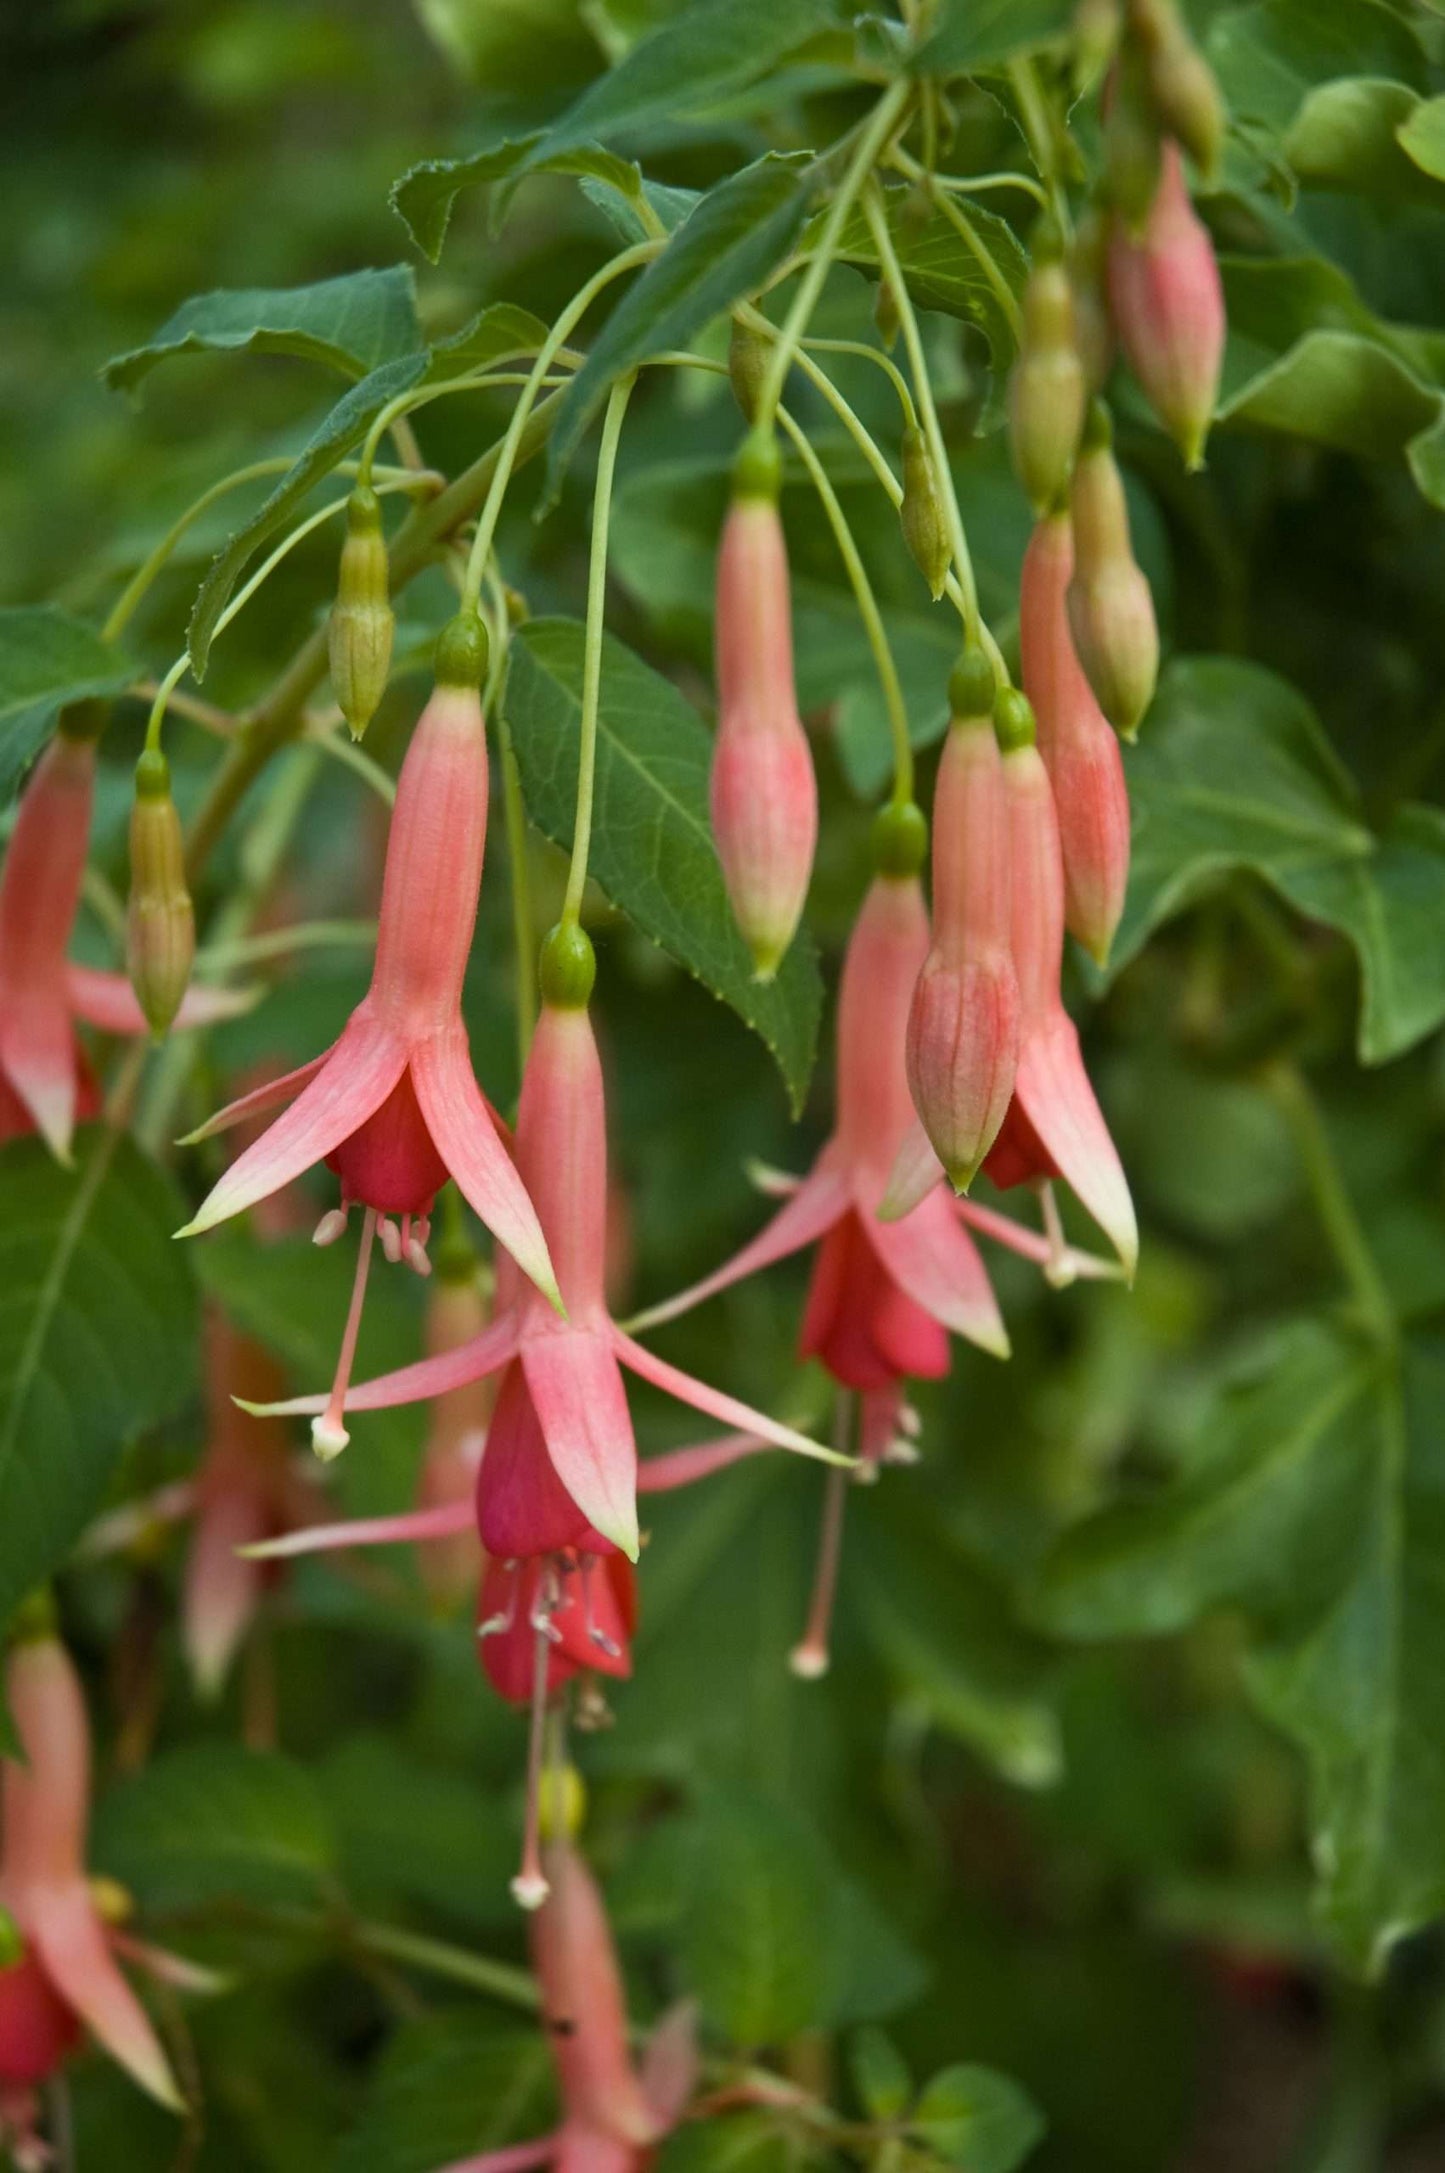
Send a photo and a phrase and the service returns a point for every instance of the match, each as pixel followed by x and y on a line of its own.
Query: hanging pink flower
pixel 1167 303
pixel 45 1083
pixel 393 1106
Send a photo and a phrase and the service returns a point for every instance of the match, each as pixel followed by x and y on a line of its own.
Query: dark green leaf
pixel 1347 135
pixel 671 206
pixel 411 1830
pixel 980 34
pixel 977 2120
pixel 344 427
pixel 450 2086
pixel 213 1822
pixel 946 271
pixel 1423 136
pixel 1234 772
pixel 97 1334
pixel 354 323
pixel 880 2074
pixel 737 2143
pixel 652 848
pixel 758 1910
pixel 424 195
pixel 497 333
pixel 47 659
pixel 1271 55
pixel 723 250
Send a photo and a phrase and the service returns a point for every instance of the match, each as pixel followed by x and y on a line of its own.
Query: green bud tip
pixel 972 685
pixel 1013 720
pixel 363 511
pixel 462 651
pixel 1098 428
pixel 152 776
pixel 758 468
pixel 900 839
pixel 568 967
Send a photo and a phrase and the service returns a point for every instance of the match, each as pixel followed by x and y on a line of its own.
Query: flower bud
pixel 925 530
pixel 1111 611
pixel 885 313
pixel 1096 28
pixel 160 933
pixel 1131 140
pixel 1080 752
pixel 1047 394
pixel 362 622
pixel 747 367
pixel 963 1023
pixel 1167 304
pixel 764 796
pixel 1181 81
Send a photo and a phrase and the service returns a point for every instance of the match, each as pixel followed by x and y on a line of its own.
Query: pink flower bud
pixel 764 794
pixel 1110 607
pixel 1079 749
pixel 963 1025
pixel 1168 306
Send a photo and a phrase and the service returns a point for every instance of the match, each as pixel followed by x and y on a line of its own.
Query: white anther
pixel 331 1226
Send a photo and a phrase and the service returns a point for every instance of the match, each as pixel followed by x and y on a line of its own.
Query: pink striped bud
pixel 963 1024
pixel 1080 751
pixel 764 794
pixel 1047 394
pixel 1168 307
pixel 1111 609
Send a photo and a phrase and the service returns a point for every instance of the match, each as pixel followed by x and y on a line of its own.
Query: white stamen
pixel 331 1226
pixel 390 1239
pixel 328 1432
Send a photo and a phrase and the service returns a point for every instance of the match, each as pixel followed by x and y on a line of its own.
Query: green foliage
pixel 211 1822
pixel 354 323
pixel 47 659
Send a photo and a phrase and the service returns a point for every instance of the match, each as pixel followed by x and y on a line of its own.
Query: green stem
pixel 1040 137
pixel 342 748
pixel 281 942
pixel 592 651
pixel 868 611
pixel 641 253
pixel 277 718
pixel 1333 1204
pixel 884 120
pixel 912 339
pixel 981 184
pixel 1003 293
pixel 488 380
pixel 881 361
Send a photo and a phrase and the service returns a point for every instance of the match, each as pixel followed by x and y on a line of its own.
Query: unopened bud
pixel 568 967
pixel 1132 144
pixel 747 367
pixel 925 530
pixel 900 839
pixel 1047 394
pixel 972 685
pixel 1096 27
pixel 763 794
pixel 1183 85
pixel 885 313
pixel 362 622
pixel 160 933
pixel 1111 611
pixel 1079 748
pixel 561 1803
pixel 1089 280
pixel 1168 306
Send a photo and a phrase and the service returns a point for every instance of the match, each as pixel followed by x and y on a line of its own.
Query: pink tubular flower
pixel 764 794
pixel 963 1023
pixel 45 1084
pixel 612 2113
pixel 1079 747
pixel 393 1106
pixel 66 1974
pixel 1167 303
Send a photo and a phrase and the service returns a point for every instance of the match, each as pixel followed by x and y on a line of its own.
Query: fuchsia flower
pixel 612 2113
pixel 763 790
pixel 963 1024
pixel 45 1083
pixel 1077 742
pixel 1167 303
pixel 393 1106
pixel 66 1974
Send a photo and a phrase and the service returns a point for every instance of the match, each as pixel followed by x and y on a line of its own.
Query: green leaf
pixel 1271 55
pixel 497 333
pixel 424 195
pixel 671 206
pixel 976 2119
pixel 1422 136
pixel 412 1830
pixel 947 272
pixel 981 34
pixel 948 1632
pixel 47 659
pixel 880 2074
pixel 1234 772
pixel 97 1337
pixel 652 848
pixel 754 1939
pixel 353 323
pixel 345 427
pixel 1346 135
pixel 756 2142
pixel 1317 1506
pixel 213 1822
pixel 448 2087
pixel 723 250
pixel 1306 357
